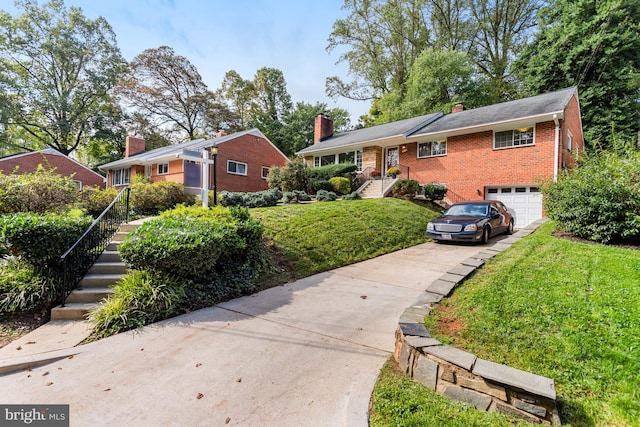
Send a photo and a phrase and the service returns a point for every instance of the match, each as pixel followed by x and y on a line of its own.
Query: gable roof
pixel 170 152
pixel 541 107
pixel 536 108
pixel 400 128
pixel 51 152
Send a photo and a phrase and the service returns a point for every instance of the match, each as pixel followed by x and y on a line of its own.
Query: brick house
pixel 242 162
pixel 500 151
pixel 51 158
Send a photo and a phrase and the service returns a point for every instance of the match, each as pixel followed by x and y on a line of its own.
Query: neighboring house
pixel 50 158
pixel 501 151
pixel 242 162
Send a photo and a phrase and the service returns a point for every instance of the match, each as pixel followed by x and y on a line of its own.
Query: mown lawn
pixel 563 309
pixel 318 237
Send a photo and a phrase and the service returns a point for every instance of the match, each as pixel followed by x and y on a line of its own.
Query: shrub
pixel 316 185
pixel 326 196
pixel 295 196
pixel 186 248
pixel 405 188
pixel 95 200
pixel 341 185
pixel 139 298
pixel 258 199
pixel 43 191
pixel 40 240
pixel 600 199
pixel 150 199
pixel 327 172
pixel 21 289
pixel 352 196
pixel 293 176
pixel 434 192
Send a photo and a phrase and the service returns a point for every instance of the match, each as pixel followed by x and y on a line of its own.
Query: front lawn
pixel 562 309
pixel 318 237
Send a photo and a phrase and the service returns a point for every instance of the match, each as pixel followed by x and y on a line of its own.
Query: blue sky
pixel 243 35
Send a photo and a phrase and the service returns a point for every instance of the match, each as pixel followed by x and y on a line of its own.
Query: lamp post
pixel 214 153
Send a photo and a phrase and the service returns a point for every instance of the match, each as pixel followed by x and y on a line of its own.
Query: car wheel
pixel 509 228
pixel 485 235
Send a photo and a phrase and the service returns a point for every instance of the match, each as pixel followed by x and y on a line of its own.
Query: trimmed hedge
pixel 405 188
pixel 341 185
pixel 95 200
pixel 327 172
pixel 153 198
pixel 316 185
pixel 258 199
pixel 434 192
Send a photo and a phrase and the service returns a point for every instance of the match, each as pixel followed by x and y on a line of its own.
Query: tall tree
pixel 595 46
pixel 271 105
pixel 239 93
pixel 57 69
pixel 437 80
pixel 169 91
pixel 501 31
pixel 299 127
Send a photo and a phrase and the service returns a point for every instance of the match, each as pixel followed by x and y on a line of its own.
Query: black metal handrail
pixel 79 258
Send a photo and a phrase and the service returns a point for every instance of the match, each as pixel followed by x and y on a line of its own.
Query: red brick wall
pixel 175 172
pixel 256 153
pixel 471 163
pixel 571 123
pixel 28 163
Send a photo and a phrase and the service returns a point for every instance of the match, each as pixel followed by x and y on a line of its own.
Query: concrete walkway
pixel 304 354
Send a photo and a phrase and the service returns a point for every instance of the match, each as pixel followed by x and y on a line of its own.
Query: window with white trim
pixel 236 168
pixel 265 172
pixel 513 138
pixel 354 157
pixel 569 141
pixel 163 168
pixel 78 184
pixel 432 149
pixel 120 176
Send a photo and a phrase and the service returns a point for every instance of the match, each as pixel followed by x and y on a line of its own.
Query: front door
pixel 391 159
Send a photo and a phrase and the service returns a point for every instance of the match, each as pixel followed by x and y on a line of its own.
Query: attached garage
pixel 526 201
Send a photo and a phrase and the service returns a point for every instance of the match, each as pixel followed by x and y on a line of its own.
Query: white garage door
pixel 525 201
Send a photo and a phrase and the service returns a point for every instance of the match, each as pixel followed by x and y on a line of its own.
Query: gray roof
pixel 539 105
pixel 400 128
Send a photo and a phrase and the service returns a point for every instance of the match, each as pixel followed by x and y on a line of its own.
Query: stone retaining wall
pixel 462 376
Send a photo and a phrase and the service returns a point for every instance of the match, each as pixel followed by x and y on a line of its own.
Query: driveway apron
pixel 304 354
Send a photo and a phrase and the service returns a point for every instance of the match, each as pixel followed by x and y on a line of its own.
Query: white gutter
pixel 556 151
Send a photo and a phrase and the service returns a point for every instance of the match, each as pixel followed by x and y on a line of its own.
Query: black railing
pixel 84 253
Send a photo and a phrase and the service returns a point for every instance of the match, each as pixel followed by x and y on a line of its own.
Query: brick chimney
pixel 322 129
pixel 133 146
pixel 457 108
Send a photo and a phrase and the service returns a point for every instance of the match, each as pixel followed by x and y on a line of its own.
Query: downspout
pixel 556 151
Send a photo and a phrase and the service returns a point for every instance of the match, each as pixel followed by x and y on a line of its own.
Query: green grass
pixel 562 309
pixel 318 237
pixel 399 401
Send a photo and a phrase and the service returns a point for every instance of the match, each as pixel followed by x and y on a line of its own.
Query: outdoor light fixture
pixel 214 153
pixel 404 148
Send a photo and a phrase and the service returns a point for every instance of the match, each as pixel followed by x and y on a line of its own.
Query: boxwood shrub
pixel 405 188
pixel 152 198
pixel 341 185
pixel 258 199
pixel 434 192
pixel 316 185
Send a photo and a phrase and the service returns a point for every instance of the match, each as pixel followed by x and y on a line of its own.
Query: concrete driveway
pixel 304 354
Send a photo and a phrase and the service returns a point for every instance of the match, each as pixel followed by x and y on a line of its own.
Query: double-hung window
pixel 236 168
pixel 513 138
pixel 120 176
pixel 432 149
pixel 163 168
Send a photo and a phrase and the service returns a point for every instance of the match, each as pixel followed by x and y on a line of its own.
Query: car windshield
pixel 467 210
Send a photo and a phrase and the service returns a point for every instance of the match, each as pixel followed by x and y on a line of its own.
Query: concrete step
pixel 112 246
pixel 89 295
pixel 99 280
pixel 109 256
pixel 128 227
pixel 74 311
pixel 108 268
pixel 120 235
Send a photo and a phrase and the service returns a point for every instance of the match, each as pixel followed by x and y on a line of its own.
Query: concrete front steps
pixel 377 188
pixel 96 284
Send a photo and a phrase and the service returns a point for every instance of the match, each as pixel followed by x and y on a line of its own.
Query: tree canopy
pixel 57 69
pixel 595 46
